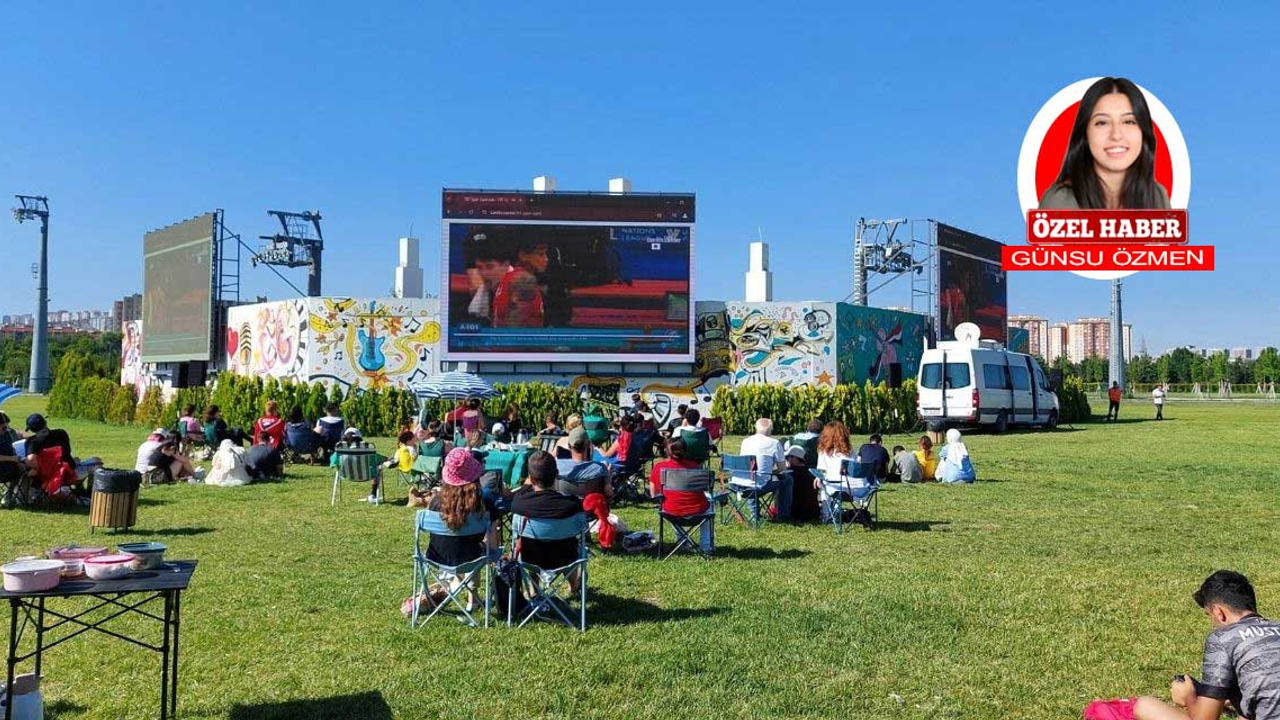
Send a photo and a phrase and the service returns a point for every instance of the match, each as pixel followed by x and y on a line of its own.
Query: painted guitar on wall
pixel 371 358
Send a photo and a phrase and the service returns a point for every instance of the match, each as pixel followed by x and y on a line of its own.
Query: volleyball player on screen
pixel 518 300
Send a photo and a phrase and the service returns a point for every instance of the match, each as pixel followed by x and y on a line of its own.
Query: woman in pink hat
pixel 458 499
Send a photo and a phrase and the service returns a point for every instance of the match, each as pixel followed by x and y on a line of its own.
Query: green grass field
pixel 1065 574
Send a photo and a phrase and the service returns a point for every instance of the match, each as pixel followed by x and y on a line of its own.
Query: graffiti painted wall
pixel 1019 339
pixel 132 370
pixel 783 343
pixel 360 342
pixel 872 340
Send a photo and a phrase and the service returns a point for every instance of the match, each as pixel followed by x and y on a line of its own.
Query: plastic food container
pixel 32 575
pixel 73 567
pixel 146 556
pixel 107 567
pixel 74 552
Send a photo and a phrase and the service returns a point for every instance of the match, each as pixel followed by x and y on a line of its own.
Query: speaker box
pixel 895 375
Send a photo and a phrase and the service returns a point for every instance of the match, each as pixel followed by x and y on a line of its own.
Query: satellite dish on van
pixel 969 334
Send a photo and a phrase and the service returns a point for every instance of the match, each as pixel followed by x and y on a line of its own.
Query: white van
pixel 981 383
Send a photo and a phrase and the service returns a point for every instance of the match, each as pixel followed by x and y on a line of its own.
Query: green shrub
pixel 151 411
pixel 863 409
pixel 1073 401
pixel 124 406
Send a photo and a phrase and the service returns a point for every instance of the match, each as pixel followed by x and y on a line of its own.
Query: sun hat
pixel 796 452
pixel 460 468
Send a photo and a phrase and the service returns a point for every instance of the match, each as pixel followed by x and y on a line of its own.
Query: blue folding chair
pixel 750 488
pixel 687 528
pixel 545 588
pixel 457 581
pixel 857 486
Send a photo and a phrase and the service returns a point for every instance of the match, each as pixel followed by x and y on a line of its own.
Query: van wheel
pixel 1002 422
pixel 1052 422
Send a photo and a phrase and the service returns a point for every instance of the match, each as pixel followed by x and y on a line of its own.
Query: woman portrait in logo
pixel 1111 156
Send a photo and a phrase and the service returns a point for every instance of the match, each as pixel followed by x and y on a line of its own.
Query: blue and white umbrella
pixel 453 386
pixel 8 391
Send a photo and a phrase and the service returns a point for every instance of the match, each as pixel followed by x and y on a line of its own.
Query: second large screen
pixel 568 292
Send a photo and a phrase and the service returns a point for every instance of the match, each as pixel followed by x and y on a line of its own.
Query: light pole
pixel 32 207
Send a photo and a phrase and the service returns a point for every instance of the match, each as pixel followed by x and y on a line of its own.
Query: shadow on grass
pixel 606 609
pixel 151 502
pixel 913 526
pixel 174 532
pixel 758 553
pixel 369 705
pixel 62 708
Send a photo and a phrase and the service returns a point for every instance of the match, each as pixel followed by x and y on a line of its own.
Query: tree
pixel 1179 365
pixel 1266 368
pixel 1142 369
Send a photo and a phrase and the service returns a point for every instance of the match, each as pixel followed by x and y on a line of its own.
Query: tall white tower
pixel 759 278
pixel 409 271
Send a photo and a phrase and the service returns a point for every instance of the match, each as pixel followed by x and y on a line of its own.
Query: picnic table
pixel 126 596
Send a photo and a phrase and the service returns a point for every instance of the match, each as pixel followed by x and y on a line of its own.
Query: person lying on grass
pixel 1241 659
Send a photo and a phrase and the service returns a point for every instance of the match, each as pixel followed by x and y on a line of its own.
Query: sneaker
pixel 200 473
pixel 373 500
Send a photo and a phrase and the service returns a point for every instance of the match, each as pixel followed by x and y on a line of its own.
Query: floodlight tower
pixel 1117 356
pixel 32 207
pixel 299 244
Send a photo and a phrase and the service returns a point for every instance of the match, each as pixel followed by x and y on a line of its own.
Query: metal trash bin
pixel 115 499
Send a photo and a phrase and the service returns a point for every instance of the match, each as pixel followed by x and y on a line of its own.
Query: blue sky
pixel 794 118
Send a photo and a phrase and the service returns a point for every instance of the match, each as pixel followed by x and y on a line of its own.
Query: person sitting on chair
pixel 40 436
pixel 189 425
pixel 406 452
pixel 330 427
pixel 808 440
pixel 804 486
pixel 562 445
pixel 770 460
pixel 954 464
pixel 262 461
pixel 690 422
pixel 676 420
pixel 431 442
pixel 551 425
pixel 833 449
pixel 581 474
pixel 677 502
pixel 538 499
pixel 458 499
pixel 272 424
pixel 472 419
pixel 216 430
pixel 617 452
pixel 299 434
pixel 11 467
pixel 873 452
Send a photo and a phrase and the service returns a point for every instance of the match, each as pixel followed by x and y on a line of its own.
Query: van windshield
pixel 957 376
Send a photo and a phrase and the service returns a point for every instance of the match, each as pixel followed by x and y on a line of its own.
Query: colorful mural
pixel 1019 339
pixel 872 340
pixel 348 341
pixel 132 370
pixel 787 344
pixel 374 342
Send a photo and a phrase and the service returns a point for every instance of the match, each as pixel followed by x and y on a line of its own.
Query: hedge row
pixel 533 400
pixel 862 408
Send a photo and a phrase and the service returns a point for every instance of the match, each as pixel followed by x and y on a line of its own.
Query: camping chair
pixel 547 443
pixel 857 486
pixel 188 443
pixel 358 463
pixel 302 443
pixel 426 471
pixel 687 528
pixel 435 448
pixel 715 431
pixel 550 596
pixel 749 487
pixel 697 444
pixel 810 446
pixel 630 478
pixel 331 433
pixel 457 581
pixel 54 472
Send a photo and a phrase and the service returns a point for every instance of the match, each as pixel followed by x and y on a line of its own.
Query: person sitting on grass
pixel 873 452
pixel 216 429
pixel 904 467
pixel 168 465
pixel 538 499
pixel 954 465
pixel 272 424
pixel 1241 661
pixel 261 461
pixel 927 459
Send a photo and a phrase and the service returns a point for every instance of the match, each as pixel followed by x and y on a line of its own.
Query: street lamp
pixel 33 207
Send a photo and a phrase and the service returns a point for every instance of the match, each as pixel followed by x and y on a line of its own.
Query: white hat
pixel 796 452
pixel 498 429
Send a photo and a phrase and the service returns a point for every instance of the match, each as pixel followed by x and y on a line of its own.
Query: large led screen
pixel 177 295
pixel 971 285
pixel 568 277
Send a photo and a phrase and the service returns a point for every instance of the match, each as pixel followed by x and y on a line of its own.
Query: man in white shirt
pixel 771 465
pixel 1157 397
